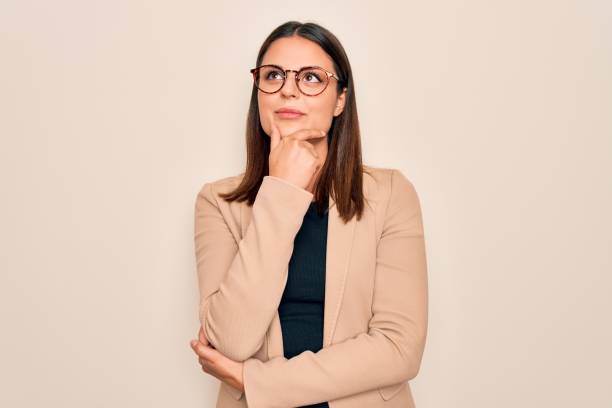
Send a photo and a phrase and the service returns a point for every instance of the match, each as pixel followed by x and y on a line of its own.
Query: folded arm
pixel 241 283
pixel 390 352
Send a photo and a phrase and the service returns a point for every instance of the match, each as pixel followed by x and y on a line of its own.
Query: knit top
pixel 302 304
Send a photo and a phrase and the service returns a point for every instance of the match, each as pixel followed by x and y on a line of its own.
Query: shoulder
pixel 211 189
pixel 387 182
pixel 400 204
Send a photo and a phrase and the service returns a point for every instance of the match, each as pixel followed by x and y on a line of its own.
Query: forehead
pixel 296 52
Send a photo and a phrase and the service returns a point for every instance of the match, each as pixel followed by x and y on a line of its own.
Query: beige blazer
pixel 376 301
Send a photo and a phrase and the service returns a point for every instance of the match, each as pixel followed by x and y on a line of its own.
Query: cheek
pixel 322 114
pixel 328 106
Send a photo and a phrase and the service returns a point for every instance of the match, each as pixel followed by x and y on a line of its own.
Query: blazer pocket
pixel 391 391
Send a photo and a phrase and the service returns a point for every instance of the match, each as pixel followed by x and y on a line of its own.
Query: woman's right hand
pixel 292 157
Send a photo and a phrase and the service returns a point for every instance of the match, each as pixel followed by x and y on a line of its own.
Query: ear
pixel 340 101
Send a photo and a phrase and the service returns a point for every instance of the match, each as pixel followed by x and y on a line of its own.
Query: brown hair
pixel 341 174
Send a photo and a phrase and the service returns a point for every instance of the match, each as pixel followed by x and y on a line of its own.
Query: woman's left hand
pixel 215 363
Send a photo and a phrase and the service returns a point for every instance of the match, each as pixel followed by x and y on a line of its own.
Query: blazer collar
pixel 339 244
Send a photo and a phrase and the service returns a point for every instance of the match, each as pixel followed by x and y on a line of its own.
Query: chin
pixel 290 127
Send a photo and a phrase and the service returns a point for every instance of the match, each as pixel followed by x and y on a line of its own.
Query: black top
pixel 302 305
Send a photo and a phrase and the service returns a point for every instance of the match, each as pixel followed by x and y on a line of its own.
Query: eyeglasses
pixel 311 81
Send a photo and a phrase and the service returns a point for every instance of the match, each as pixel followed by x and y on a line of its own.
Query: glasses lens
pixel 313 81
pixel 269 79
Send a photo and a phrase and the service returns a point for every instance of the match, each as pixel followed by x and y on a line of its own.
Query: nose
pixel 290 86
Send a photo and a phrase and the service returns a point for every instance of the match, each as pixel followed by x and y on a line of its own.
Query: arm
pixel 390 352
pixel 241 284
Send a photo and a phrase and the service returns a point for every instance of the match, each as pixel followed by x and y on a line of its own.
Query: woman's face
pixel 294 53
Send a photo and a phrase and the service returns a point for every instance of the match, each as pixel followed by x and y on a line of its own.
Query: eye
pixel 311 76
pixel 273 73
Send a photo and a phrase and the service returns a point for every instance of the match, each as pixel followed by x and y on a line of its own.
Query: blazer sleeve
pixel 241 283
pixel 389 352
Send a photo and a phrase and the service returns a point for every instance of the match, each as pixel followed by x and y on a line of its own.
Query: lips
pixel 290 110
pixel 289 113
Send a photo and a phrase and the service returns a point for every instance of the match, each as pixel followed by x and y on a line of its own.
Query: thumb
pixel 202 336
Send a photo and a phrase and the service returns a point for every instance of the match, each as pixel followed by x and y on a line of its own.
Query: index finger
pixel 305 134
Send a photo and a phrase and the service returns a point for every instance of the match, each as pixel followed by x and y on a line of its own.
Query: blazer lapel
pixel 339 244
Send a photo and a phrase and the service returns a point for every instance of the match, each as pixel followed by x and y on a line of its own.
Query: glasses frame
pixel 255 71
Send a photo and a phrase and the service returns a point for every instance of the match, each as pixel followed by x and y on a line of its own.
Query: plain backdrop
pixel 115 113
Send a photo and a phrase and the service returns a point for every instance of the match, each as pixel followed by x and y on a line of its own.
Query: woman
pixel 311 265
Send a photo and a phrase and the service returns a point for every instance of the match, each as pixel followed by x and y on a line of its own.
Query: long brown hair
pixel 341 174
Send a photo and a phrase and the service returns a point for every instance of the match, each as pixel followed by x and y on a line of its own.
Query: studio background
pixel 114 114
